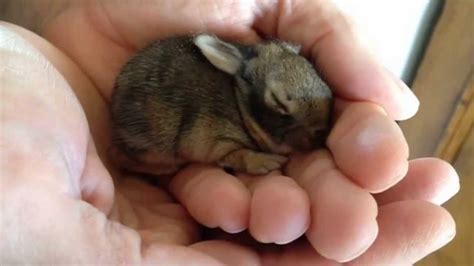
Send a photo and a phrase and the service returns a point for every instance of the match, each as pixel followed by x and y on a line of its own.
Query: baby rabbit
pixel 201 99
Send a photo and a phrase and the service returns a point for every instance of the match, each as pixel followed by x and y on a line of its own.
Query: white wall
pixel 389 26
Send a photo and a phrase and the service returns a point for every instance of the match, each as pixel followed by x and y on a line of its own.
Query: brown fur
pixel 172 106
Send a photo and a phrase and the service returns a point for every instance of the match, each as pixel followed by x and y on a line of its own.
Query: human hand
pixel 327 196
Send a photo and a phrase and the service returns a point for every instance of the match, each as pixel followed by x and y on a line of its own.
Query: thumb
pixel 48 157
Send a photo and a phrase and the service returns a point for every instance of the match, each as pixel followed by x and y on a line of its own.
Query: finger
pixel 81 233
pixel 45 132
pixel 108 37
pixel 369 147
pixel 92 104
pixel 343 215
pixel 213 197
pixel 228 253
pixel 428 179
pixel 409 230
pixel 341 59
pixel 339 55
pixel 279 210
pixel 95 182
pixel 227 18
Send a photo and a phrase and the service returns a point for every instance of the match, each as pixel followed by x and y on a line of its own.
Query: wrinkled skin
pixel 59 203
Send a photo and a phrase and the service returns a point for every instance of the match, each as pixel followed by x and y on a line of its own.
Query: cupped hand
pixel 57 161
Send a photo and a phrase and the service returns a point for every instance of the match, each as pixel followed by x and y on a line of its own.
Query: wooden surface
pixel 442 77
pixel 443 127
pixel 458 129
pixel 461 250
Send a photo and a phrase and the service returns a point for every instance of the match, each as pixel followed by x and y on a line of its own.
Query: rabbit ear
pixel 222 55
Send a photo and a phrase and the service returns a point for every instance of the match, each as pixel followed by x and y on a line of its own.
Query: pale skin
pixel 59 204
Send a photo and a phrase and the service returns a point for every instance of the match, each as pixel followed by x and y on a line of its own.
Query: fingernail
pixel 410 102
pixel 363 248
pixel 296 232
pixel 450 189
pixel 233 228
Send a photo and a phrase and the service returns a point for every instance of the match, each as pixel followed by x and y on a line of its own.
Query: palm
pixel 99 42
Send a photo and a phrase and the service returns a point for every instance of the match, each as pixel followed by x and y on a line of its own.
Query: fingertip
pixel 410 230
pixel 450 185
pixel 228 205
pixel 406 102
pixel 343 217
pixel 279 210
pixel 369 147
pixel 213 197
pixel 428 179
pixel 341 57
pixel 355 75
